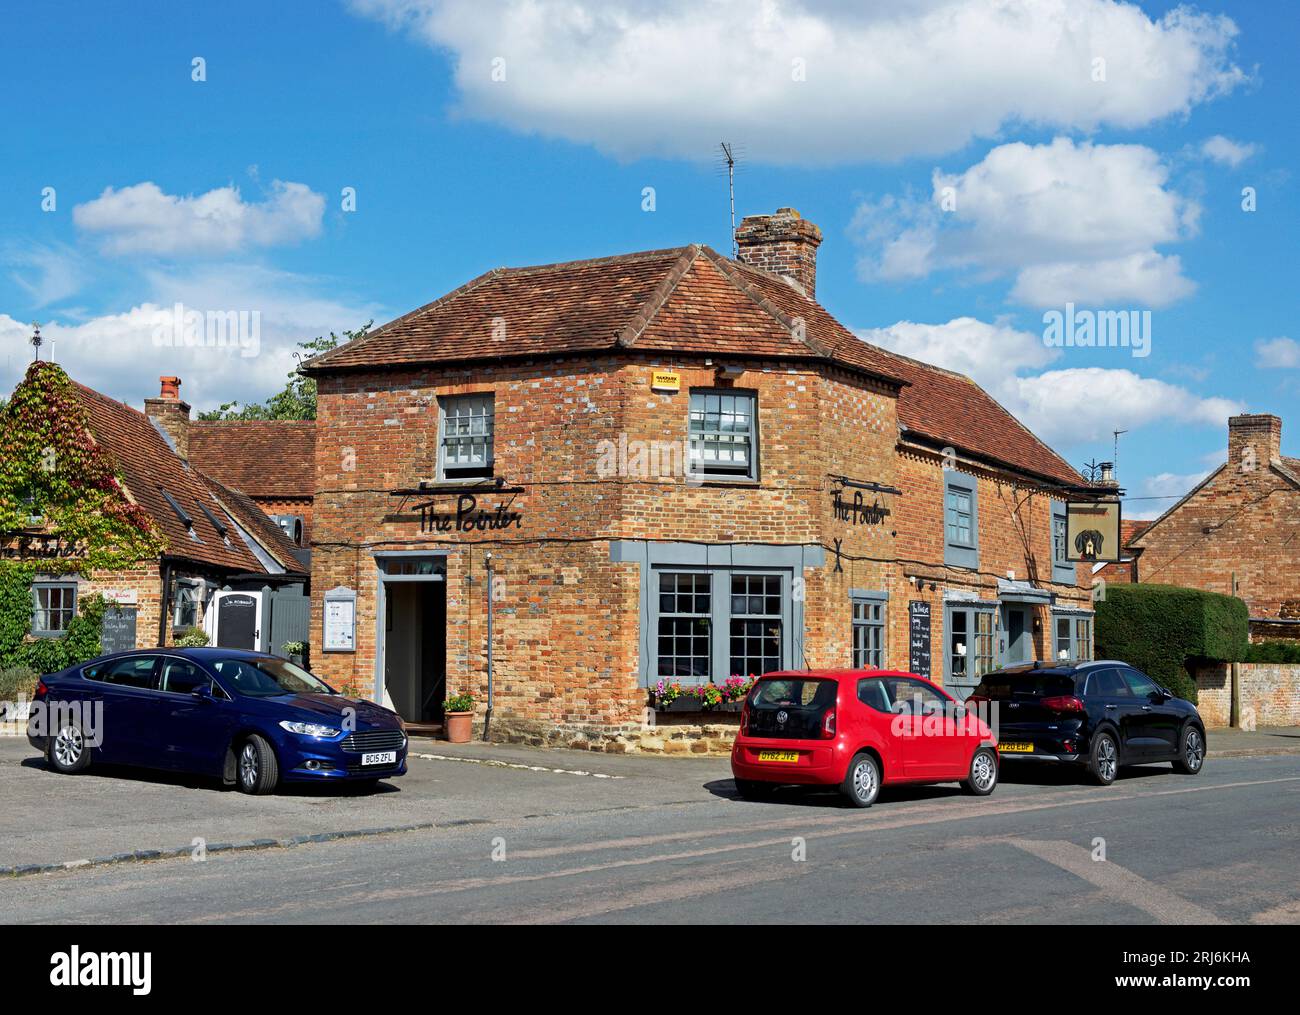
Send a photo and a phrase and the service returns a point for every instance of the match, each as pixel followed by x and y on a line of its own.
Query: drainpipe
pixel 487 716
pixel 1234 700
pixel 163 610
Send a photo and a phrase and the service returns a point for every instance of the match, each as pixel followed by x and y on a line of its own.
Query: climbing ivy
pixel 57 480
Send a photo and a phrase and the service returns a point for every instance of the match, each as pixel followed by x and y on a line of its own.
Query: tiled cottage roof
pixel 686 299
pixel 152 471
pixel 263 457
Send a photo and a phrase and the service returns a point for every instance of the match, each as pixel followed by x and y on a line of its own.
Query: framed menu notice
pixel 340 620
pixel 919 638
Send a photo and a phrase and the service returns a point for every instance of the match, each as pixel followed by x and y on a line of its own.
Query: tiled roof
pixel 1130 529
pixel 686 299
pixel 262 457
pixel 150 467
pixel 254 521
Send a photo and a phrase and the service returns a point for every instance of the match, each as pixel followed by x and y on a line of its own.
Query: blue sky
pixel 508 132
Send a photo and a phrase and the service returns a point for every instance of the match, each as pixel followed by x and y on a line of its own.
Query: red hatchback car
pixel 858 730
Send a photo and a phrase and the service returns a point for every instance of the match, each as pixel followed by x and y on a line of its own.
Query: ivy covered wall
pixel 57 481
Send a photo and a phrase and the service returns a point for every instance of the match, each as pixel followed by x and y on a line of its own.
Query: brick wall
pixel 1270 690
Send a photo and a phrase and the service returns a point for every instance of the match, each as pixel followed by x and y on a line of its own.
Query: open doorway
pixel 415 649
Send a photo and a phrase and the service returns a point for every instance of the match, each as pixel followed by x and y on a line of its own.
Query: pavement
pixel 488 833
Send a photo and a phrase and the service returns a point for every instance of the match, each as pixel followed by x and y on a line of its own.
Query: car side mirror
pixel 202 691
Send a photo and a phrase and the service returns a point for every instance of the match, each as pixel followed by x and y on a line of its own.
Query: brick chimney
pixel 784 244
pixel 1253 439
pixel 172 414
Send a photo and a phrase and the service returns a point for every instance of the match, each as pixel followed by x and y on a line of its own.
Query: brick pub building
pixel 682 467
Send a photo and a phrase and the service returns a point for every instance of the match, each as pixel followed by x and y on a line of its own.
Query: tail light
pixel 744 719
pixel 828 724
pixel 41 690
pixel 977 699
pixel 1063 703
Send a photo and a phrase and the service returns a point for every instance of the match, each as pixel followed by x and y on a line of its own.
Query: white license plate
pixel 380 758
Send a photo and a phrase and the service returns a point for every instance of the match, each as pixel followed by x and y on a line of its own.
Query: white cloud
pixel 1227 152
pixel 880 81
pixel 1277 353
pixel 48 274
pixel 1067 407
pixel 142 219
pixel 1072 222
pixel 1145 278
pixel 117 354
pixel 984 352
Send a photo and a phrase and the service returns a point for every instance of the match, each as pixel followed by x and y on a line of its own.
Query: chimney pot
pixel 784 244
pixel 171 387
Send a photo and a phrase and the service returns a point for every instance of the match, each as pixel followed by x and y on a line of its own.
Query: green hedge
pixel 1273 652
pixel 1165 630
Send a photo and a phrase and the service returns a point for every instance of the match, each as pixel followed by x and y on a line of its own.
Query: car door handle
pixel 1146 708
pixel 1112 706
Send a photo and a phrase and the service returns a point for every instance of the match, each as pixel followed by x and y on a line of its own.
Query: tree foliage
pixel 57 480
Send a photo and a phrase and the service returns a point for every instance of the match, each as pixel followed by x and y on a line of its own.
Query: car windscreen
pixel 267 678
pixel 1029 684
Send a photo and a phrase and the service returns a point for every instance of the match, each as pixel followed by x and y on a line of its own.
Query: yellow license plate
pixel 789 757
pixel 1016 748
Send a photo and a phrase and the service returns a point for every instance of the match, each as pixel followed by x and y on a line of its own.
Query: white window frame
pixel 449 410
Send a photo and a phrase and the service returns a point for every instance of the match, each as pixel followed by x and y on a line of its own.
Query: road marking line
pixel 1118 882
pixel 492 763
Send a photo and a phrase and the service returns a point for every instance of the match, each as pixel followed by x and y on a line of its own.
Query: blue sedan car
pixel 251 719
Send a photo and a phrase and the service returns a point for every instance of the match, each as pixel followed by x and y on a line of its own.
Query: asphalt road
pixel 669 842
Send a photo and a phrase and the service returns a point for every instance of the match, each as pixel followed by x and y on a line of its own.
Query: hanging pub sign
pixel 470 517
pixel 37 546
pixel 1092 531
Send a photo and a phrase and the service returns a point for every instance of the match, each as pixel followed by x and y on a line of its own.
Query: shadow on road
pixel 829 796
pixel 159 777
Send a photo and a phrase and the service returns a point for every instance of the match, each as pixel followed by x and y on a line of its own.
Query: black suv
pixel 1101 714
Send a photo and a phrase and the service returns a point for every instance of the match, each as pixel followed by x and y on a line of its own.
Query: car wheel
pixel 258 772
pixel 750 789
pixel 1191 751
pixel 862 781
pixel 68 751
pixel 1103 760
pixel 983 776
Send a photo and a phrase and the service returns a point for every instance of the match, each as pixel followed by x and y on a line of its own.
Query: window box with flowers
pixel 674 696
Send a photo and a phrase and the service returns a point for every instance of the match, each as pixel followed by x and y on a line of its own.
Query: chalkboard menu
pixel 118 634
pixel 918 615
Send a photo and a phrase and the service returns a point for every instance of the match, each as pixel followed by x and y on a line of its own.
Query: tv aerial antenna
pixel 727 163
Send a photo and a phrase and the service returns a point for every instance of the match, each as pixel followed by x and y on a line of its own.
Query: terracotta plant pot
pixel 459 727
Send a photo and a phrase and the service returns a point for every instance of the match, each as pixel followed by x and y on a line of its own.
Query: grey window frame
pixel 970 608
pixel 1062 570
pixel 955 553
pixel 1074 618
pixel 699 469
pixel 37 588
pixel 869 599
pixel 475 468
pixel 675 615
pixel 720 618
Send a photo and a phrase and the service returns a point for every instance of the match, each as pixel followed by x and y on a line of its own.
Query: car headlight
pixel 309 729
